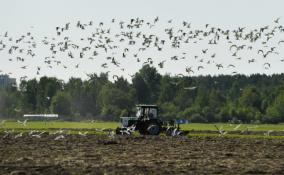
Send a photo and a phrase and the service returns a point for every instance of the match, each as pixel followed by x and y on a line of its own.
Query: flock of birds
pixel 246 130
pixel 119 44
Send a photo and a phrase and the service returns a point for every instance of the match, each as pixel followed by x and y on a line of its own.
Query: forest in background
pixel 224 98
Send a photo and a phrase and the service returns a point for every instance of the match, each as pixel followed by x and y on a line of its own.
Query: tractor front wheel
pixel 153 129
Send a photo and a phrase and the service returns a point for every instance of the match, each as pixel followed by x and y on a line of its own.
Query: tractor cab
pixel 146 120
pixel 147 112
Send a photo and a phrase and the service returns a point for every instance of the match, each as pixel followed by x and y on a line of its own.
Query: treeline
pixel 256 98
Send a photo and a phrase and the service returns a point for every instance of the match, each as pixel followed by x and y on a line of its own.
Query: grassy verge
pixel 90 125
pixel 75 127
pixel 59 124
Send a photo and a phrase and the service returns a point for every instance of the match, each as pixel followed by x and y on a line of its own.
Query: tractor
pixel 148 122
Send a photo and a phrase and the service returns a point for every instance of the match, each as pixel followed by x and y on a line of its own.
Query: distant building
pixel 6 81
pixel 41 115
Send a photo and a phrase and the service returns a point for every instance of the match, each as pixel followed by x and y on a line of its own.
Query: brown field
pixel 96 154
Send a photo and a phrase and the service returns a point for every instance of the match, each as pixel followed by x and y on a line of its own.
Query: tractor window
pixel 153 112
pixel 139 112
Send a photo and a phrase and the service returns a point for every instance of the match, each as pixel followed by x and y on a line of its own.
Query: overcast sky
pixel 17 17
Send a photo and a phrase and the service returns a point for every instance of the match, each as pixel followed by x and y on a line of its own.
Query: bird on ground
pixel 32 132
pixel 111 134
pixel 2 124
pixel 19 135
pixel 127 130
pixel 60 137
pixel 268 132
pixel 237 127
pixel 221 131
pixel 37 135
pixel 7 134
pixel 106 129
pixel 24 123
pixel 60 131
pixel 84 134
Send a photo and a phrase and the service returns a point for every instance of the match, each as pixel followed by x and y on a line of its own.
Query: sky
pixel 42 16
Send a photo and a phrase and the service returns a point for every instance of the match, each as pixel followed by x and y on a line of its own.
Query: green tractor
pixel 148 122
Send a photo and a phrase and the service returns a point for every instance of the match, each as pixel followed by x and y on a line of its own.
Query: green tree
pixel 250 98
pixel 151 78
pixel 275 112
pixel 61 104
pixel 115 101
pixel 47 88
pixel 167 89
pixel 29 91
pixel 141 88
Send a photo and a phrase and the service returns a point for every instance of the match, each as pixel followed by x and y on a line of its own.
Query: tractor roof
pixel 145 105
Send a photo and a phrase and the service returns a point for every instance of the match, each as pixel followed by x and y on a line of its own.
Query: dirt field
pixel 95 154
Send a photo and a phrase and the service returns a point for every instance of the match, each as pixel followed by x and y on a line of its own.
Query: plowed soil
pixel 95 154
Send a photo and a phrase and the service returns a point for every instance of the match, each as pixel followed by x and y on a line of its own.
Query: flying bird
pixel 200 67
pixel 266 65
pixel 277 20
pixel 219 66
